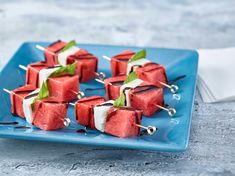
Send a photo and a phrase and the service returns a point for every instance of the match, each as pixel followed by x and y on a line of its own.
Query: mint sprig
pixel 69 45
pixel 43 93
pixel 131 77
pixel 64 70
pixel 120 101
pixel 139 55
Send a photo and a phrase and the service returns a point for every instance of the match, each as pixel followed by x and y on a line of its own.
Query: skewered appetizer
pixel 129 61
pixel 109 117
pixel 61 81
pixel 62 53
pixel 29 103
pixel 137 94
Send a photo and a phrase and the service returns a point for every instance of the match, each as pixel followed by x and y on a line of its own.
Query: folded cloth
pixel 216 80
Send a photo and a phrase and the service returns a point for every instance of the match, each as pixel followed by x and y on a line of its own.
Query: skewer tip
pixel 23 67
pixel 100 81
pixel 72 104
pixel 40 47
pixel 6 90
pixel 107 58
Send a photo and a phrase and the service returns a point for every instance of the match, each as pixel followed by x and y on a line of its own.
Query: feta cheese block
pixel 100 114
pixel 27 105
pixel 62 56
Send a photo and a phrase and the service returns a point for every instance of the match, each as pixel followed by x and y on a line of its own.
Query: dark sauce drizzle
pixel 8 123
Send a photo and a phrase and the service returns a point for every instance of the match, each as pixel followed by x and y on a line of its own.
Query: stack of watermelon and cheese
pixel 96 113
pixel 129 61
pixel 62 53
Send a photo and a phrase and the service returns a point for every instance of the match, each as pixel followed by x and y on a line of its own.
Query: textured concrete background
pixel 170 23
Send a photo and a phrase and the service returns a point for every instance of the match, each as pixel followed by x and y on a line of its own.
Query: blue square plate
pixel 173 133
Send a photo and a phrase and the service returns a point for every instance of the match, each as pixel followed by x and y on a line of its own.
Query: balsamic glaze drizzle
pixel 8 123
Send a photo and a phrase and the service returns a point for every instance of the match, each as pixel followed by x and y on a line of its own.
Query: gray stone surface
pixel 170 23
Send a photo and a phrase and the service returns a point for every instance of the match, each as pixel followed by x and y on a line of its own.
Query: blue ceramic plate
pixel 173 133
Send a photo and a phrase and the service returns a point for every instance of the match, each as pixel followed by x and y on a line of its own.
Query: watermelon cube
pixel 119 62
pixel 49 115
pixel 153 73
pixel 84 110
pixel 32 74
pixel 86 64
pixel 63 89
pixel 121 122
pixel 17 97
pixel 112 86
pixel 51 52
pixel 146 98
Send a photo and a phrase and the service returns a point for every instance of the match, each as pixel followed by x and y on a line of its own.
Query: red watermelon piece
pixel 119 62
pixel 152 73
pixel 49 115
pixel 112 86
pixel 32 74
pixel 145 97
pixel 84 110
pixel 63 89
pixel 17 97
pixel 86 64
pixel 121 122
pixel 51 52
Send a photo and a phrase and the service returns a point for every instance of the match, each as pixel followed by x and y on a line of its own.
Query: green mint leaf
pixel 64 70
pixel 120 101
pixel 131 77
pixel 68 45
pixel 139 55
pixel 43 93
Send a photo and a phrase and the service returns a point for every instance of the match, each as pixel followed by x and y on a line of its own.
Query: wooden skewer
pixel 7 91
pixel 173 88
pixel 107 58
pixel 23 67
pixel 101 81
pixel 150 129
pixel 43 49
pixel 79 94
pixel 171 111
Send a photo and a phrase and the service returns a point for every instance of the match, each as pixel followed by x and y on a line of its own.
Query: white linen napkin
pixel 216 80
